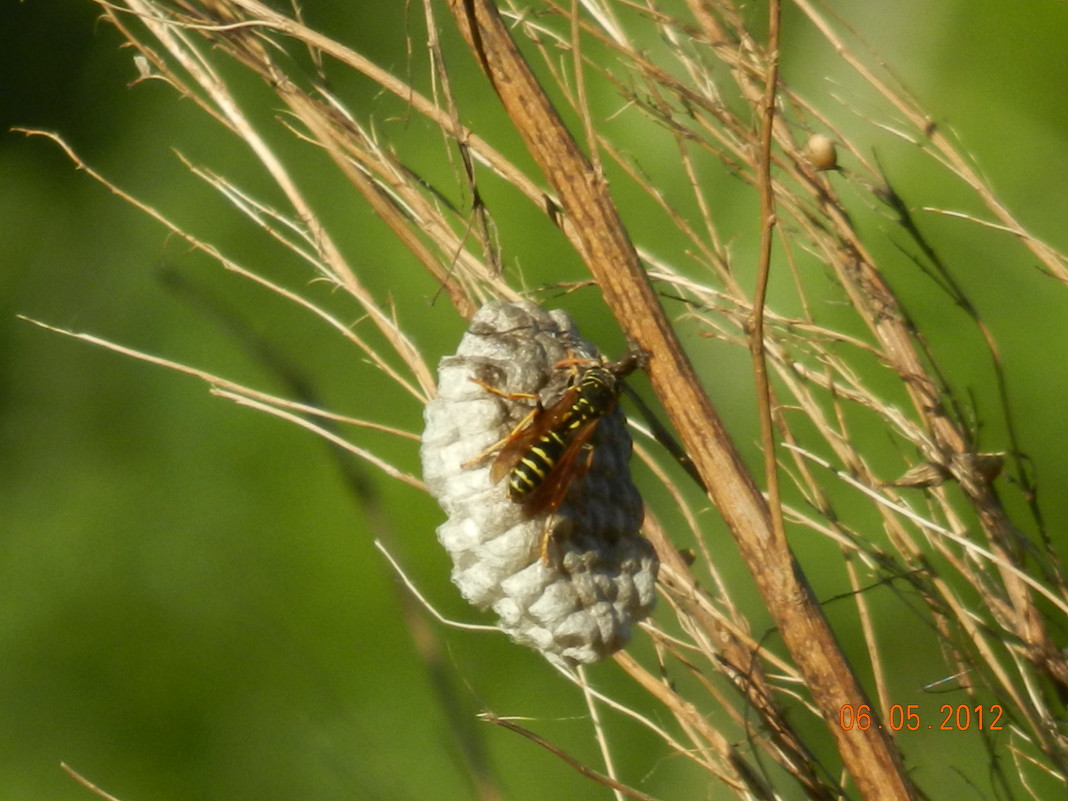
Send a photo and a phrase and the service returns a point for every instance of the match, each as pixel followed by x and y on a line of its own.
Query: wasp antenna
pixel 636 358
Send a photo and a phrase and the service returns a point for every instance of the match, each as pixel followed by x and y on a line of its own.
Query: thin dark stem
pixel 767 230
pixel 586 771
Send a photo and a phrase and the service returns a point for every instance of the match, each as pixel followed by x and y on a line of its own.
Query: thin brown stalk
pixel 755 324
pixel 585 770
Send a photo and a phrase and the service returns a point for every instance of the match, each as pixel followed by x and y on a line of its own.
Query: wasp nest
pixel 597 578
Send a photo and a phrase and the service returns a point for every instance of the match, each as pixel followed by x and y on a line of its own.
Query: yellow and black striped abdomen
pixel 595 396
pixel 531 470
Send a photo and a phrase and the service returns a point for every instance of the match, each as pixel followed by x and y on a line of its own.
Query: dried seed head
pixel 821 152
pixel 577 606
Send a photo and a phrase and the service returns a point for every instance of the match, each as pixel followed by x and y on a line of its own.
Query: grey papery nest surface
pixel 580 604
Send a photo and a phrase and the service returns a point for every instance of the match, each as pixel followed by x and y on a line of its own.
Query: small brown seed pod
pixel 821 152
pixel 577 600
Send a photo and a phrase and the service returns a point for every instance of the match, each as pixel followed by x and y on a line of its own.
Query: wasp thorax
pixel 527 451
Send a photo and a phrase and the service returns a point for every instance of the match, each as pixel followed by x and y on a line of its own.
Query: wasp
pixel 549 450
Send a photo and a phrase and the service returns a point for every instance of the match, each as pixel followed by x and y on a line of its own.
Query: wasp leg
pixel 496 446
pixel 501 393
pixel 546 540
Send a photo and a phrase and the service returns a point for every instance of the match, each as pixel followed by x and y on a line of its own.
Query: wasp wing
pixel 568 469
pixel 519 442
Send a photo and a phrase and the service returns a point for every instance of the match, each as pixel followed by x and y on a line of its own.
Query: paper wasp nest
pixel 578 605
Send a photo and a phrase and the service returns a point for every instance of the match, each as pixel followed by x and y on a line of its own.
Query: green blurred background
pixel 190 602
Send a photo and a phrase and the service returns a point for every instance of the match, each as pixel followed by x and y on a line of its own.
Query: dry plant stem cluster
pixel 1004 645
pixel 599 235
